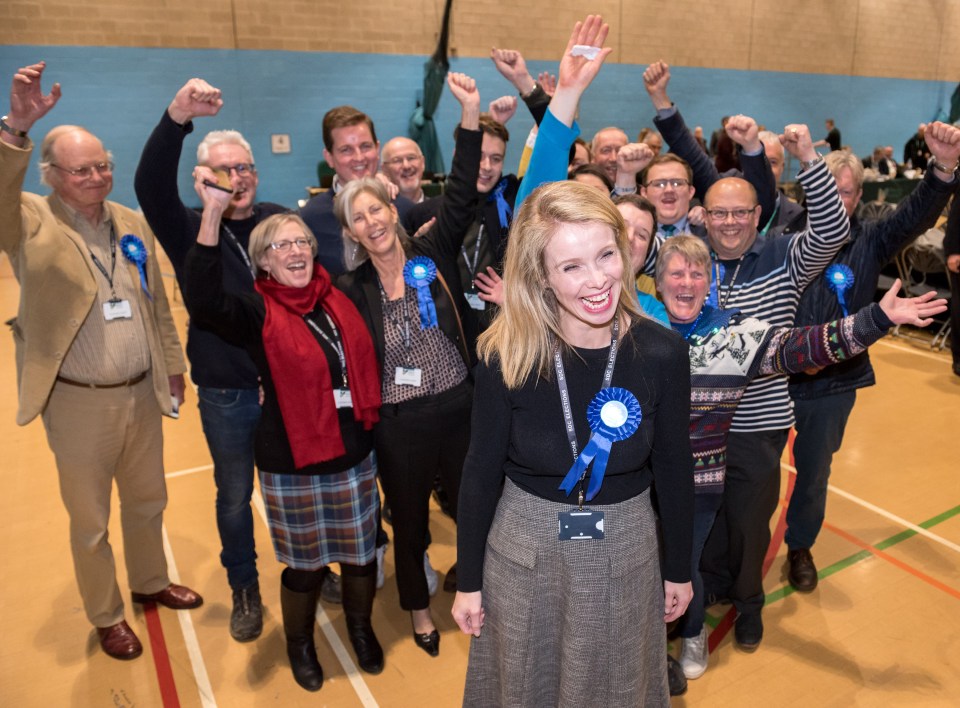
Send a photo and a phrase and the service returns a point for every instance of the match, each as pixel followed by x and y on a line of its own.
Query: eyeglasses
pixel 737 214
pixel 241 168
pixel 86 172
pixel 662 183
pixel 399 161
pixel 284 246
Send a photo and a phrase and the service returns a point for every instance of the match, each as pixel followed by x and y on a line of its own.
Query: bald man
pixel 97 355
pixel 401 160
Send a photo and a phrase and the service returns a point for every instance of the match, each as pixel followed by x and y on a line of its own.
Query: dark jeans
pixel 732 563
pixel 230 418
pixel 705 508
pixel 415 441
pixel 820 425
pixel 955 315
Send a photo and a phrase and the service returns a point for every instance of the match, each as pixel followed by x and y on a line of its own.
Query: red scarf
pixel 299 367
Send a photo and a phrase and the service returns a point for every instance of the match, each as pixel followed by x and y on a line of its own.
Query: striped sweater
pixel 772 275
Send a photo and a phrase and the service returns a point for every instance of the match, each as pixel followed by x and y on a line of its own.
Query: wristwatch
pixel 7 128
pixel 935 163
pixel 807 164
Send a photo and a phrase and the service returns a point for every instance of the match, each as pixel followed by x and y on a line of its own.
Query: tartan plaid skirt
pixel 321 519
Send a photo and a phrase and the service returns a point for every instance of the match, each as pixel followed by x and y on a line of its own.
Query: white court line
pixel 189 470
pixel 886 514
pixel 189 634
pixel 942 358
pixel 356 680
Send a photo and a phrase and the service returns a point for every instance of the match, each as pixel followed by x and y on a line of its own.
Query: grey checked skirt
pixel 569 623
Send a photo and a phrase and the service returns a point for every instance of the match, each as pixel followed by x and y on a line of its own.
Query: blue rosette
pixel 840 278
pixel 418 273
pixel 713 299
pixel 134 251
pixel 614 415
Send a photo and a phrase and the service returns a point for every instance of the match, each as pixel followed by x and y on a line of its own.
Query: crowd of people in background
pixel 614 340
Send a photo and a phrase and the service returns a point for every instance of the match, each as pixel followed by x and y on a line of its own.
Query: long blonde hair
pixel 527 328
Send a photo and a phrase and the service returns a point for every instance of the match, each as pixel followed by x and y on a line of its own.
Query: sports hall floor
pixel 882 629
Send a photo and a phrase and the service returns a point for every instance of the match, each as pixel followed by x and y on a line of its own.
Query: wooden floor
pixel 882 629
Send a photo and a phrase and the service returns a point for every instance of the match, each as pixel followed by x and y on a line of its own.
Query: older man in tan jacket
pixel 97 354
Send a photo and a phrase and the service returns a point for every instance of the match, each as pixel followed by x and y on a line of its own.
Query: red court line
pixel 776 540
pixel 894 561
pixel 161 659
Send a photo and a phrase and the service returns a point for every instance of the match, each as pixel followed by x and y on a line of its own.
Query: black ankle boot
pixel 358 594
pixel 298 623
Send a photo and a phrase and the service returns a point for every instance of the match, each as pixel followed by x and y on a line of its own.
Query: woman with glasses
pixel 411 298
pixel 321 399
pixel 727 351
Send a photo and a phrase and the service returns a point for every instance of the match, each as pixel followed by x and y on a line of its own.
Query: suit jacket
pixel 58 287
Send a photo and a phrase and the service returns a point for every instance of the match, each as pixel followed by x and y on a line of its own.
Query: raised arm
pixel 558 131
pixel 744 131
pixel 155 182
pixel 459 204
pixel 512 66
pixel 829 227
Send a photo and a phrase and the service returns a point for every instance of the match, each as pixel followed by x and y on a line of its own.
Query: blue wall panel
pixel 119 94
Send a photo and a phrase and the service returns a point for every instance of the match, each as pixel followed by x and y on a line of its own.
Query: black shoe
pixel 246 620
pixel 358 594
pixel 748 631
pixel 802 573
pixel 675 678
pixel 430 643
pixel 298 623
pixel 330 590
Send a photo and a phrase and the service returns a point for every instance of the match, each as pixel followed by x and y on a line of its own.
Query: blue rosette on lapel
pixel 134 251
pixel 418 273
pixel 841 279
pixel 614 415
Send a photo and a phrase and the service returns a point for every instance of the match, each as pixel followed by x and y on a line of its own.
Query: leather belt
pixel 129 382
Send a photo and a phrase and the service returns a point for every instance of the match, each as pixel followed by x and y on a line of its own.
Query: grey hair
pixel 353 253
pixel 220 137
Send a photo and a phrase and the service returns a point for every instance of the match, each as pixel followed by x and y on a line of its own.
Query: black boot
pixel 298 623
pixel 358 593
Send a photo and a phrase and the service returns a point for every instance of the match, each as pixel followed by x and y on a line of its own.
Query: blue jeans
pixel 704 513
pixel 230 417
pixel 820 425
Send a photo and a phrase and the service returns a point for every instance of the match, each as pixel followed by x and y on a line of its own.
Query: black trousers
pixel 415 441
pixel 732 561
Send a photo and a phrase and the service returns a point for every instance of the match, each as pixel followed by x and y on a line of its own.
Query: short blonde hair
pixel 262 236
pixel 353 253
pixel 692 249
pixel 527 327
pixel 838 159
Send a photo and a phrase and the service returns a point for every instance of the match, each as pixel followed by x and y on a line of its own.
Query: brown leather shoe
pixel 119 641
pixel 176 597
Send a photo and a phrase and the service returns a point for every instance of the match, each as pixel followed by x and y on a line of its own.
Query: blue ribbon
pixel 418 273
pixel 503 206
pixel 135 252
pixel 614 415
pixel 713 299
pixel 841 279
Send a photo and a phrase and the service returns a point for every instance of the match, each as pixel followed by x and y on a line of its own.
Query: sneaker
pixel 246 619
pixel 330 588
pixel 381 575
pixel 802 573
pixel 433 582
pixel 748 631
pixel 675 678
pixel 693 658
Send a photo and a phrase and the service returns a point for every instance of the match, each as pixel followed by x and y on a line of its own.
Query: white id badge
pixel 117 310
pixel 475 302
pixel 407 377
pixel 342 397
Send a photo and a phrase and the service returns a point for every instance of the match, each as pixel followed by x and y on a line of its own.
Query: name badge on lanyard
pixel 117 310
pixel 342 398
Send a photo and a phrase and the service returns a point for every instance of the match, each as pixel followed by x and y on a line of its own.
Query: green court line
pixel 780 593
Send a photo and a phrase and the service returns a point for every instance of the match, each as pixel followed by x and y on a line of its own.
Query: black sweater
pixel 213 362
pixel 520 434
